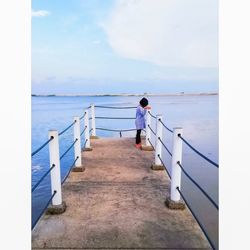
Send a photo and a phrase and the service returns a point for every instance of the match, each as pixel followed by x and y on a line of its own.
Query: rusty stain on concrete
pixel 78 169
pixel 118 202
pixel 147 148
pixel 157 167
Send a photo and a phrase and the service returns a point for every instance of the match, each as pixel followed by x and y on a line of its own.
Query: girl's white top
pixel 140 117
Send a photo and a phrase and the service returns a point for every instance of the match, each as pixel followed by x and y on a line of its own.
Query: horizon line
pixel 130 94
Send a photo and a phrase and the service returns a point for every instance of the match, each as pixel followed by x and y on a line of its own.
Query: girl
pixel 140 120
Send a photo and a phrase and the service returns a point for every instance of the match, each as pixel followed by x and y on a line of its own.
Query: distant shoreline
pixel 145 94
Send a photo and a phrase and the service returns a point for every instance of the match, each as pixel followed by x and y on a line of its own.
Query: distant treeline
pixel 42 95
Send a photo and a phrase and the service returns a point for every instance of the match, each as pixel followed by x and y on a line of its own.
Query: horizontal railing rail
pixel 163 144
pixel 152 130
pixel 151 114
pixel 42 146
pixel 72 165
pixel 71 146
pixel 41 179
pixel 198 186
pixel 196 218
pixel 117 130
pixel 170 130
pixel 118 118
pixel 110 107
pixel 67 128
pixel 43 210
pixel 82 116
pixel 84 145
pixel 164 166
pixel 83 130
pixel 199 153
pixel 151 144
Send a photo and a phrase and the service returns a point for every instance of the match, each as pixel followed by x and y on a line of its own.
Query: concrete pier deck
pixel 118 203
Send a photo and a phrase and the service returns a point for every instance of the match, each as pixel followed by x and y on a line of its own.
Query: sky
pixel 124 46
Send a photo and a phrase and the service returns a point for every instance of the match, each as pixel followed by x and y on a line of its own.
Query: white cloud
pixel 39 13
pixel 165 32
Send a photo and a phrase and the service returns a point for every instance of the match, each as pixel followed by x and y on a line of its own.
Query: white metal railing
pixel 176 163
pixel 55 158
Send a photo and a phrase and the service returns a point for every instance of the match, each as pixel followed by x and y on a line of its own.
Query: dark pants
pixel 138 136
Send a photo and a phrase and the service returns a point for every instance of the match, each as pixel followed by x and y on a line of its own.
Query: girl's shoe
pixel 138 146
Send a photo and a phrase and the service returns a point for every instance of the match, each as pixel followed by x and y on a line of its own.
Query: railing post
pixel 174 202
pixel 93 133
pixel 77 146
pixel 58 206
pixel 148 123
pixel 148 146
pixel 86 132
pixel 158 146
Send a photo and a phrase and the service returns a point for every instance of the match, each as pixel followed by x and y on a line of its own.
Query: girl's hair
pixel 144 102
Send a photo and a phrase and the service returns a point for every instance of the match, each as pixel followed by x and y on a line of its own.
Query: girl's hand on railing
pixel 147 107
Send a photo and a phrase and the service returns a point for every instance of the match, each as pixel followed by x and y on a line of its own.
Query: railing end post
pixel 93 126
pixel 77 146
pixel 148 135
pixel 174 201
pixel 58 206
pixel 157 165
pixel 86 132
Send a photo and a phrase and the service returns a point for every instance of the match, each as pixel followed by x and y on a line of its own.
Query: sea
pixel 196 114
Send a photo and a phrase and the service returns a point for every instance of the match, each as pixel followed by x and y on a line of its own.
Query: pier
pixel 116 196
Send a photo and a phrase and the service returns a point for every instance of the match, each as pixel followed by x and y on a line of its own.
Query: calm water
pixel 198 115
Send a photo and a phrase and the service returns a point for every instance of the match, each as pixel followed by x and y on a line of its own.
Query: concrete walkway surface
pixel 117 203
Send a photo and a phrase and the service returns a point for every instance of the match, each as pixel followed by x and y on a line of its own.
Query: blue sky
pixel 124 46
